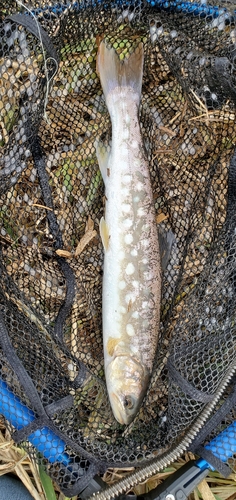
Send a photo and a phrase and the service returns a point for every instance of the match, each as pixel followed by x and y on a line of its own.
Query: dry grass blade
pixel 205 491
pixel 41 206
pixel 224 489
pixel 34 470
pixel 13 459
pixel 195 495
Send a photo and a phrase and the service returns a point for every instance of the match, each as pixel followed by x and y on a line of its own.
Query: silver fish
pixel 132 267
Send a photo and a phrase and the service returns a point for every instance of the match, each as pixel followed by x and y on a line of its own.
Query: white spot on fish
pixel 148 275
pixel 125 207
pixel 127 223
pixel 141 212
pixel 135 284
pixel 134 144
pixel 136 199
pixel 127 119
pixel 123 103
pixel 127 178
pixel 134 252
pixel 145 243
pixel 128 297
pixel 122 285
pixel 135 315
pixel 122 309
pixel 134 349
pixel 129 268
pixel 139 186
pixel 130 330
pixel 125 134
pixel 128 238
pixel 144 260
pixel 144 304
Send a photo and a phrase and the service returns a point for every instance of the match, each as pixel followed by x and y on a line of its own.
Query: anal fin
pixel 103 154
pixel 104 232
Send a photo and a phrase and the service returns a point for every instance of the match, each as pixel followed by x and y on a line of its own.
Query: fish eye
pixel 128 403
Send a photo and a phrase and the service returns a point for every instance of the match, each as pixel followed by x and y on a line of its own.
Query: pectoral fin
pixel 103 153
pixel 104 232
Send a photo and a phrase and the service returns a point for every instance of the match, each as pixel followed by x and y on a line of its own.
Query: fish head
pixel 127 381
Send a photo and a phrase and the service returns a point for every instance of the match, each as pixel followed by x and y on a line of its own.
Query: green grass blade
pixel 47 484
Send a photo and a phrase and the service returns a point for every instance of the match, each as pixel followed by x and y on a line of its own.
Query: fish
pixel 132 274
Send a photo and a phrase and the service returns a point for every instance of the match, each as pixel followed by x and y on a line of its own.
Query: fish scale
pixel 132 268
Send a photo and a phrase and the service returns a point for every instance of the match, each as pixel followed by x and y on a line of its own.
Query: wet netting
pixel 52 384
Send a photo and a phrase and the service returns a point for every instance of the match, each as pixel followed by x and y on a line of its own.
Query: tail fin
pixel 116 73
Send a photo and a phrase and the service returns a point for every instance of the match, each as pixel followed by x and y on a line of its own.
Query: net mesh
pixel 52 198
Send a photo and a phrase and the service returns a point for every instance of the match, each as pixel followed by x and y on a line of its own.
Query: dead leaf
pixel 89 225
pixel 161 217
pixel 90 233
pixel 64 253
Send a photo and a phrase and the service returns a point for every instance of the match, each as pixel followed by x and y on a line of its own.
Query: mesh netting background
pixel 52 198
